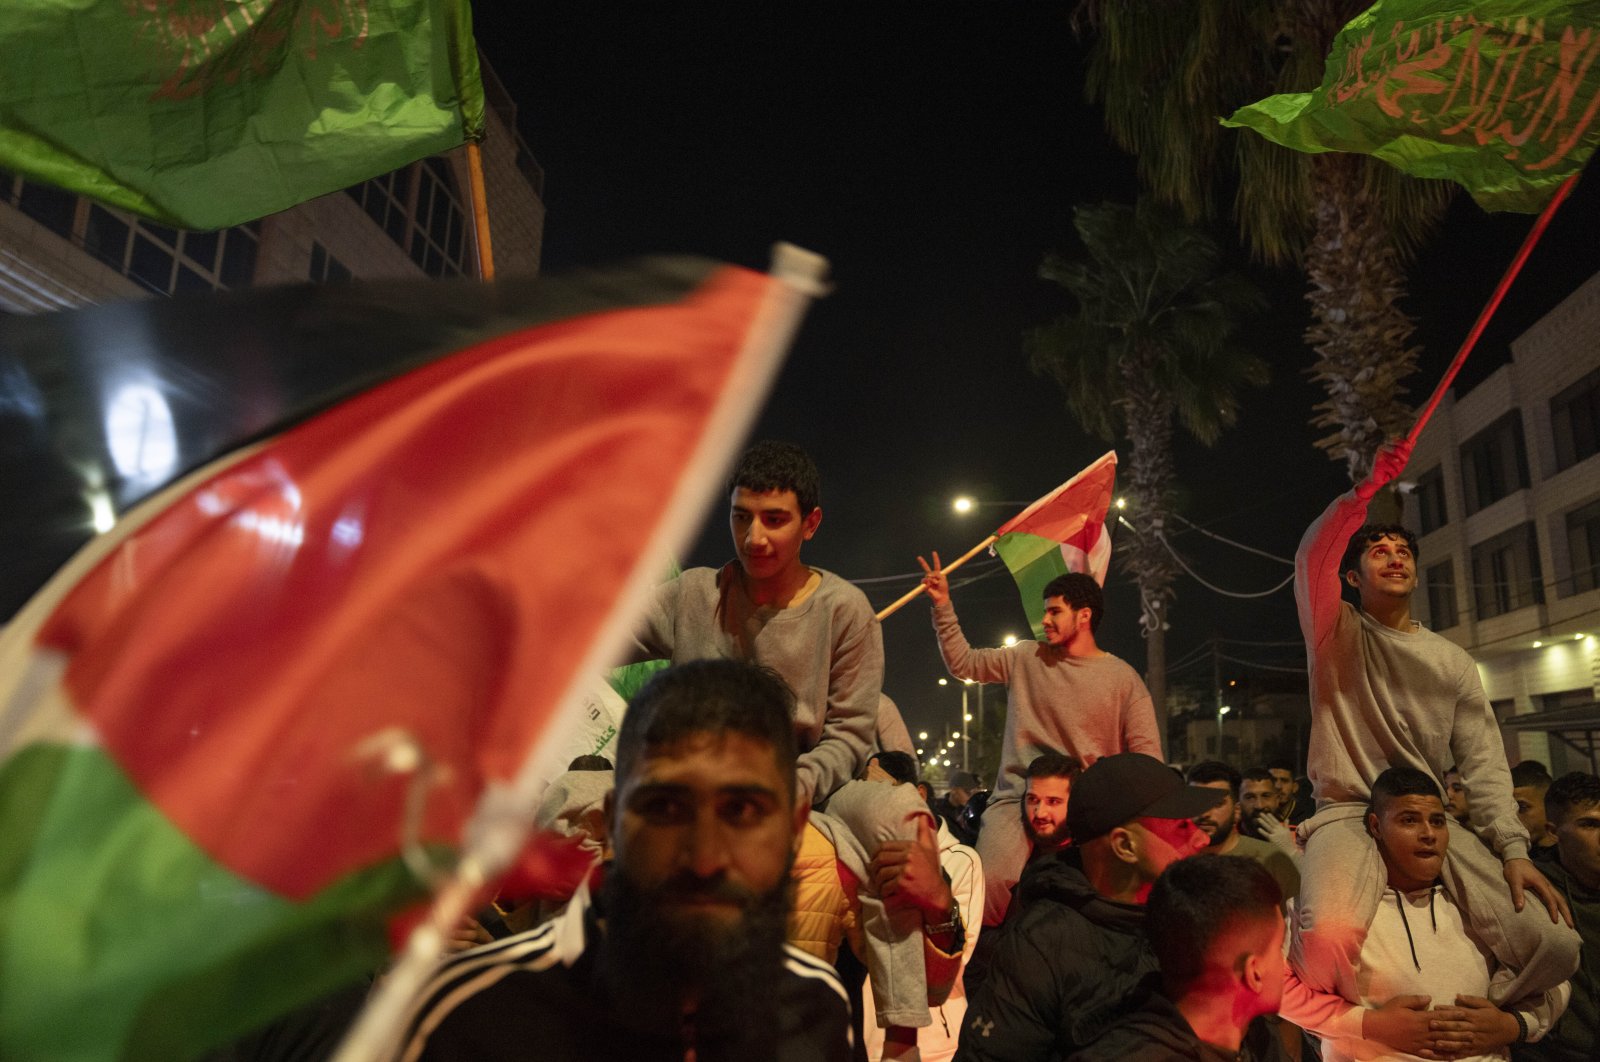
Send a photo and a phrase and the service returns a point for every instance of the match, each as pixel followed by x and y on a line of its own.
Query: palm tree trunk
pixel 1360 336
pixel 1148 414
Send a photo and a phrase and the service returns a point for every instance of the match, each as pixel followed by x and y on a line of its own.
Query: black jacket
pixel 540 995
pixel 1576 1037
pixel 1066 965
pixel 1157 1032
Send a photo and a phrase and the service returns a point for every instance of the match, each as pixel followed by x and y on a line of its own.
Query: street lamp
pixel 1009 640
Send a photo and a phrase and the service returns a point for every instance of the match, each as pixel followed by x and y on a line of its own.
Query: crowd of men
pixel 773 881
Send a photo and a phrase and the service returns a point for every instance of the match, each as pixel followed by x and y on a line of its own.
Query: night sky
pixel 934 153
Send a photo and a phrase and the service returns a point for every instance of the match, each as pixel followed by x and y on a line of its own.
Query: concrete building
pixel 1504 494
pixel 58 250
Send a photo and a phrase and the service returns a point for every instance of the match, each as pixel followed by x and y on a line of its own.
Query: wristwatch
pixel 952 925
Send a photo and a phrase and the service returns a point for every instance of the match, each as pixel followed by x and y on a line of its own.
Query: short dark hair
pixel 1402 781
pixel 1530 772
pixel 1569 793
pixel 1196 901
pixel 589 763
pixel 709 697
pixel 1215 771
pixel 772 465
pixel 1281 765
pixel 1369 534
pixel 1079 591
pixel 901 766
pixel 1054 765
pixel 1256 774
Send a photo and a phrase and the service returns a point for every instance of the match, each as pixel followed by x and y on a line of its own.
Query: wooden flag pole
pixel 480 210
pixel 890 610
pixel 1492 305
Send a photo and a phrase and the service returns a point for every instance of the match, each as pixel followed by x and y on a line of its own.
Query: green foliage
pixel 1165 71
pixel 1153 289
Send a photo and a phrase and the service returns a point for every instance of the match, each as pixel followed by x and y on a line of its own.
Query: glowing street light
pixel 1122 503
pixel 1009 640
pixel 963 504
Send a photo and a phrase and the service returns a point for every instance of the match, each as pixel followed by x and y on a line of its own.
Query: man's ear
pixel 1372 824
pixel 1250 973
pixel 802 815
pixel 809 524
pixel 1352 578
pixel 1124 846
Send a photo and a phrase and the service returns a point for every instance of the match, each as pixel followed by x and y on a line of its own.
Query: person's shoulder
pixel 492 978
pixel 497 975
pixel 840 593
pixel 815 1000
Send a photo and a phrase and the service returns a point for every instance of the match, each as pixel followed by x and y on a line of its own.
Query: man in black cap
pixel 1073 949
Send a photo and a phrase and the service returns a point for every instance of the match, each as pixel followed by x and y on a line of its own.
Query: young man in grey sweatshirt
pixel 1385 692
pixel 1064 694
pixel 818 632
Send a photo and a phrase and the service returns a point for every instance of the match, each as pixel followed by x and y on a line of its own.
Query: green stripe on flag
pixel 1033 562
pixel 120 939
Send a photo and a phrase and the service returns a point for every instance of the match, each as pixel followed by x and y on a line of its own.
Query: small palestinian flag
pixel 1064 531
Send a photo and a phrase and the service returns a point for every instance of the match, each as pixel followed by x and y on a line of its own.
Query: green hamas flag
pixel 208 113
pixel 1497 95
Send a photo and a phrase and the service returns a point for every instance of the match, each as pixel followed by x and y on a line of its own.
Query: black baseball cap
pixel 1130 785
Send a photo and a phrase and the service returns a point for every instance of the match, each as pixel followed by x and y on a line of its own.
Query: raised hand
pixel 934 581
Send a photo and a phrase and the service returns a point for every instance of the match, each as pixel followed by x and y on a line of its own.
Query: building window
pixel 165 260
pixel 1494 463
pixel 1441 583
pixel 1505 572
pixel 419 209
pixel 1575 418
pixel 325 267
pixel 169 261
pixel 1431 511
pixel 1583 549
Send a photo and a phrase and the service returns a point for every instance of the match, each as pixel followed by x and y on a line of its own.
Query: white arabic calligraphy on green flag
pixel 1497 95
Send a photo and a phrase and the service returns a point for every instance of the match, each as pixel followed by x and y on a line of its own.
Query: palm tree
pixel 1164 71
pixel 1148 344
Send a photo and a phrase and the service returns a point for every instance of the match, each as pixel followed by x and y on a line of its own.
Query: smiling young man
pixel 1064 694
pixel 682 954
pixel 1423 979
pixel 819 634
pixel 1386 692
pixel 1045 803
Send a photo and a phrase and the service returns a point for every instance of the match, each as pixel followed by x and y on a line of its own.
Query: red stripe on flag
pixel 435 555
pixel 1073 512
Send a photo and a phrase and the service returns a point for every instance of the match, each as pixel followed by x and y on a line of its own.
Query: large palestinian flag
pixel 239 728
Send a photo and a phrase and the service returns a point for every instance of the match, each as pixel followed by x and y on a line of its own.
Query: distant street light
pixel 1009 640
pixel 963 504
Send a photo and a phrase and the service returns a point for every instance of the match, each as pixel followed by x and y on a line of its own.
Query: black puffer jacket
pixel 1067 963
pixel 1156 1031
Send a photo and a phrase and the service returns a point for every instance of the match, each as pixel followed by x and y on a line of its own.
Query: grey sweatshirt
pixel 1383 698
pixel 1087 707
pixel 828 648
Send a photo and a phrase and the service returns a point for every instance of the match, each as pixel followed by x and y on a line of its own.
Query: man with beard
pixel 682 955
pixel 1044 803
pixel 1221 824
pixel 1063 694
